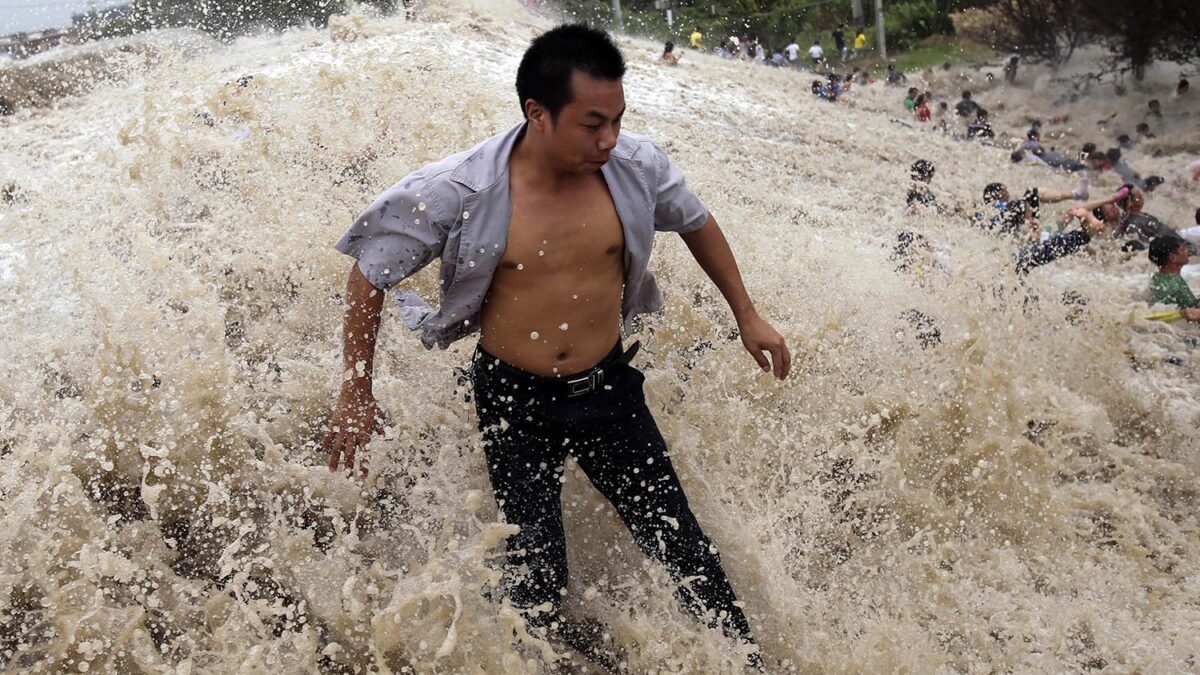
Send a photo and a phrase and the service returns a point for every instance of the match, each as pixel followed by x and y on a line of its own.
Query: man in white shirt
pixel 816 53
pixel 793 54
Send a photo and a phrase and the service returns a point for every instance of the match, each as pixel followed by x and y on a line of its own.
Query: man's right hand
pixel 356 417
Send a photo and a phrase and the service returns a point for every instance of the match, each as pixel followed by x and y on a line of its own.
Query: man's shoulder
pixel 636 147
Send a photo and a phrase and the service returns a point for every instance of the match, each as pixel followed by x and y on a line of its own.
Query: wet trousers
pixel 530 424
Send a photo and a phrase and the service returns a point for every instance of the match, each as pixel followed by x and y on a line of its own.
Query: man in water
pixel 545 234
pixel 966 107
pixel 1167 287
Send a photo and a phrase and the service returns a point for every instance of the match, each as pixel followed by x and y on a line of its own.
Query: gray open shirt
pixel 459 209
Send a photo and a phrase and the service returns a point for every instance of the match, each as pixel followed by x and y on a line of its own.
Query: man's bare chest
pixel 576 231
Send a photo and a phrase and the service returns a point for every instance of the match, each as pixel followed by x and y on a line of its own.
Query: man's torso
pixel 554 305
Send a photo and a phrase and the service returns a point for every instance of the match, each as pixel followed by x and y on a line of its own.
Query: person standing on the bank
pixel 544 234
pixel 839 41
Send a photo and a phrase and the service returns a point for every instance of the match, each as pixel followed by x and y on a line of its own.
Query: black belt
pixel 571 386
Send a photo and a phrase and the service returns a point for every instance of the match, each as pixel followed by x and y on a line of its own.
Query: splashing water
pixel 1018 495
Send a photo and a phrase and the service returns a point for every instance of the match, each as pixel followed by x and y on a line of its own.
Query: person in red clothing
pixel 921 110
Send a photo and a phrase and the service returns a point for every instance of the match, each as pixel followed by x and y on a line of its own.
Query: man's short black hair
pixel 1033 134
pixel 1198 216
pixel 545 71
pixel 1113 155
pixel 1162 248
pixel 993 192
pixel 967 95
pixel 1089 148
pixel 1017 156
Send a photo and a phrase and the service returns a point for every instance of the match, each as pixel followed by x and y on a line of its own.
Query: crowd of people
pixel 1118 219
pixel 787 56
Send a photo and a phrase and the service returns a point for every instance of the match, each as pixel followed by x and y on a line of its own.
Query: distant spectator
pixel 921 109
pixel 981 127
pixel 669 55
pixel 1181 90
pixel 919 193
pixel 1010 70
pixel 860 42
pixel 778 60
pixel 943 117
pixel 1033 142
pixel 697 39
pixel 1155 109
pixel 966 107
pixel 839 40
pixel 793 54
pixel 1117 163
pixel 1143 131
pixel 1125 142
pixel 816 53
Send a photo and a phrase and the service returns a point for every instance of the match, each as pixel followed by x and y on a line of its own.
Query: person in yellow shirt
pixel 860 42
pixel 697 39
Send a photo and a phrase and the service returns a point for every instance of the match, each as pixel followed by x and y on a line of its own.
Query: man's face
pixel 587 128
pixel 1180 255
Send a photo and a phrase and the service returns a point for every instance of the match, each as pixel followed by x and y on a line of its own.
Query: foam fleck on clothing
pixel 1171 289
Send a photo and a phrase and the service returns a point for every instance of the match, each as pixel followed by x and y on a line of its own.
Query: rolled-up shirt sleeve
pixel 676 208
pixel 402 231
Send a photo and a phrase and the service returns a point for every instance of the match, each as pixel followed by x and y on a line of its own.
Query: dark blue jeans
pixel 614 439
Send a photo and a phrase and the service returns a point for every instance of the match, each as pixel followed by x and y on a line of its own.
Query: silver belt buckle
pixel 586 384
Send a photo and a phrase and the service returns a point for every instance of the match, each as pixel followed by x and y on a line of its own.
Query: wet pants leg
pixel 612 435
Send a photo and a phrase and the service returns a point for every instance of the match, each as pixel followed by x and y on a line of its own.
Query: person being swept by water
pixel 1167 287
pixel 545 233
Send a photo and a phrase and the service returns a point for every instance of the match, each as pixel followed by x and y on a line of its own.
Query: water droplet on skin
pixel 533 335
pixel 574 297
pixel 520 266
pixel 541 253
pixel 421 206
pixel 563 326
pixel 471 263
pixel 466 215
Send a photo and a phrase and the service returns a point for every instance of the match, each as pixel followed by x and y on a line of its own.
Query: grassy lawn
pixel 932 54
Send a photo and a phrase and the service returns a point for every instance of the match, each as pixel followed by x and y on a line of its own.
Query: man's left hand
pixel 761 339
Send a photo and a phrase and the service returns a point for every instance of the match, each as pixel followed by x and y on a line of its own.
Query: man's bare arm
pixel 357 415
pixel 712 252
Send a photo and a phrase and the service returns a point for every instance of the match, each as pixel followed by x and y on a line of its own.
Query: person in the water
pixel 544 234
pixel 1167 287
